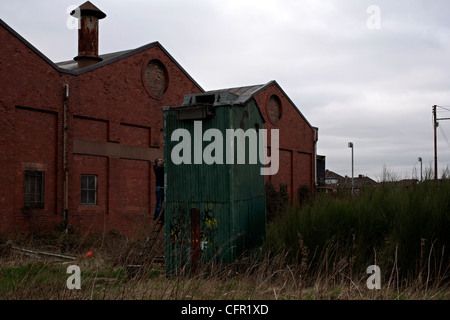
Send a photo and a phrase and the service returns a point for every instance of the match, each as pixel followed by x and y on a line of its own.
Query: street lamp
pixel 350 145
pixel 420 159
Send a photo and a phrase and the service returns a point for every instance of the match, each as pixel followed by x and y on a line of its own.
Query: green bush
pixel 397 228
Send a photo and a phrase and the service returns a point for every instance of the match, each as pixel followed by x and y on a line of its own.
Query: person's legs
pixel 159 199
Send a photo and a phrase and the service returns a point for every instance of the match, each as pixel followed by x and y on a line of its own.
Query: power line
pixel 445 108
pixel 443 134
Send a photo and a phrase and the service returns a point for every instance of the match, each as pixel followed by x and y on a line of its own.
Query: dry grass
pixel 104 277
pixel 320 252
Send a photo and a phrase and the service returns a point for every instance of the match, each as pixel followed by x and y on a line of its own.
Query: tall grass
pixel 318 251
pixel 404 231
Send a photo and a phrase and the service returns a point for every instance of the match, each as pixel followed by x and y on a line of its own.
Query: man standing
pixel 158 168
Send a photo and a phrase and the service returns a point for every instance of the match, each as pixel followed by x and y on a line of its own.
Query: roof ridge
pixel 123 55
pixel 104 55
pixel 237 87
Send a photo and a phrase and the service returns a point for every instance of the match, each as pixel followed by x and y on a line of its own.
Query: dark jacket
pixel 159 174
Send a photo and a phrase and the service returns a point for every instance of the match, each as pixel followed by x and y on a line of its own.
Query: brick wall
pixel 115 100
pixel 110 105
pixel 31 134
pixel 296 143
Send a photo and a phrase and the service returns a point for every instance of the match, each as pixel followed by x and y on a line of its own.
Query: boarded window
pixel 89 189
pixel 34 189
pixel 156 78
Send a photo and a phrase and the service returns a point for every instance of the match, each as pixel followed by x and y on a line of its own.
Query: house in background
pixel 335 182
pixel 360 182
pixel 332 181
pixel 404 183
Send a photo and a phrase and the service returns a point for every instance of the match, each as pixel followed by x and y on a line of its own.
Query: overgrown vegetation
pixel 320 250
pixel 404 231
pixel 277 200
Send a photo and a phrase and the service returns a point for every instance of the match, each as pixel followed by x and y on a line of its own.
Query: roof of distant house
pixel 401 183
pixel 332 175
pixel 346 182
pixel 359 182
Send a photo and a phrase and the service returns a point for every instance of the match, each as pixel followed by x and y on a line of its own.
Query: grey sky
pixel 375 88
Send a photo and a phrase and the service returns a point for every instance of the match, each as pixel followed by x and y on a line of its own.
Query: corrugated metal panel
pixel 228 198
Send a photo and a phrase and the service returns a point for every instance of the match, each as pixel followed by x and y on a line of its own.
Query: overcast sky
pixel 362 71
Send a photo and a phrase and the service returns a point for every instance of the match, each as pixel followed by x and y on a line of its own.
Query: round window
pixel 156 78
pixel 274 109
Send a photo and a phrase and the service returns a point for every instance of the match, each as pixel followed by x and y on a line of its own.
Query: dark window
pixel 89 189
pixel 206 99
pixel 34 189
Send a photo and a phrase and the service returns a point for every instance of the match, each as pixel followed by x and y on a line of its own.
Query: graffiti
pixel 174 234
pixel 177 224
pixel 209 230
pixel 179 230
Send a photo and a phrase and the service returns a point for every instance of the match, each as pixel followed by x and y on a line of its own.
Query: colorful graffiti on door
pixel 180 230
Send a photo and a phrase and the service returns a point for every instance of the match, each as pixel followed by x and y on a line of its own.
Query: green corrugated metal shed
pixel 213 212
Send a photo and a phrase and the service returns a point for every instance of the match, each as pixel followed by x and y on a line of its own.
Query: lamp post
pixel 420 160
pixel 435 125
pixel 350 145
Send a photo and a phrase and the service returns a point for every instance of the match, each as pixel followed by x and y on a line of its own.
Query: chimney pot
pixel 88 14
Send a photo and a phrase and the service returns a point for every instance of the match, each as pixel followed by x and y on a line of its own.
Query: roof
pixel 401 183
pixel 73 65
pixel 332 175
pixel 346 182
pixel 249 92
pixel 359 182
pixel 244 93
pixel 68 67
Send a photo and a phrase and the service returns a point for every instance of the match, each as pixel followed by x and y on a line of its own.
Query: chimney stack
pixel 88 16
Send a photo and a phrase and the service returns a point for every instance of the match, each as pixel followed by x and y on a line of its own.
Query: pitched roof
pixel 332 175
pixel 346 182
pixel 68 67
pixel 244 93
pixel 249 92
pixel 359 182
pixel 73 65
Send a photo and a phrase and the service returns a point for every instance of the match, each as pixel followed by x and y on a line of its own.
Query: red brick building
pixel 78 138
